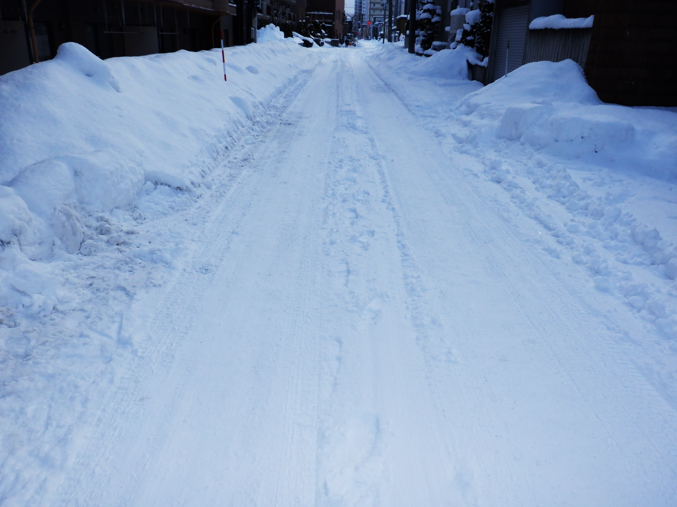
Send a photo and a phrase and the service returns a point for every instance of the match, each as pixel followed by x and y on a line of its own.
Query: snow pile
pixel 596 178
pixel 446 63
pixel 269 33
pixel 81 137
pixel 550 107
pixel 104 166
pixel 557 22
pixel 603 175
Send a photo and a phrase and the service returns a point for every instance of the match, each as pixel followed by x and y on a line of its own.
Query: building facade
pixel 32 30
pixel 628 54
pixel 285 14
pixel 330 15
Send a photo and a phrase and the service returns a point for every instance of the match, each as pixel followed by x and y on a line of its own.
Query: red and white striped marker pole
pixel 223 57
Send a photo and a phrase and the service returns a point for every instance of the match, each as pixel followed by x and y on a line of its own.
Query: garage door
pixel 512 30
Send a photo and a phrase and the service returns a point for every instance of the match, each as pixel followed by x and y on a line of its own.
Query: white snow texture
pixel 343 277
pixel 558 22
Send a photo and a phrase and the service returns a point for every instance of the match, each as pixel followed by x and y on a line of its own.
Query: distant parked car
pixel 334 42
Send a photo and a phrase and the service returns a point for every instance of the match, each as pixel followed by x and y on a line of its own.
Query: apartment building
pixel 329 13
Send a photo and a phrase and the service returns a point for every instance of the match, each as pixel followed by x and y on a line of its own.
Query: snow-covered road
pixel 358 326
pixel 354 313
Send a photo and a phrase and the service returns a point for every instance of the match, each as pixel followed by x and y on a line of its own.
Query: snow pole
pixel 223 57
pixel 507 54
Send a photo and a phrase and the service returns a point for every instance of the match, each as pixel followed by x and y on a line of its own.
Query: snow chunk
pixel 269 33
pixel 14 215
pixel 31 285
pixel 557 22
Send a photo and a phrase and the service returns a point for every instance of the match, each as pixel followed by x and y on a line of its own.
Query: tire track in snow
pixel 164 320
pixel 373 396
pixel 577 349
pixel 576 361
pixel 347 442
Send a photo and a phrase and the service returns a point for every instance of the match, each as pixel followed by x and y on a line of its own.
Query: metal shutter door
pixel 512 26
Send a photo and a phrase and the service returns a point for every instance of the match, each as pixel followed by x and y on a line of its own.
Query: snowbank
pixel 269 33
pixel 596 178
pixel 446 63
pixel 550 107
pixel 79 137
pixel 557 22
pixel 610 170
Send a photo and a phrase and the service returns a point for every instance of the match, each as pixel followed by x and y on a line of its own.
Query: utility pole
pixel 412 24
pixel 384 21
pixel 390 20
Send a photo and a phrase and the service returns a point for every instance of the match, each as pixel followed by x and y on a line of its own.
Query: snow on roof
pixel 558 21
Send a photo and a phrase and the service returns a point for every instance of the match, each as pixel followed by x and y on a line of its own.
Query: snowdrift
pixel 596 179
pixel 80 136
pixel 447 63
pixel 609 169
pixel 550 107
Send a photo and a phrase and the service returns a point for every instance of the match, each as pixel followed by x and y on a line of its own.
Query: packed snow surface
pixel 558 22
pixel 342 277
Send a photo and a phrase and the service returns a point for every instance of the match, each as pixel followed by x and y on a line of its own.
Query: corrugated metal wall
pixel 558 45
pixel 512 29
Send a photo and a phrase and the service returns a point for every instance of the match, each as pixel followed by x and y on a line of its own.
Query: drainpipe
pixel 36 56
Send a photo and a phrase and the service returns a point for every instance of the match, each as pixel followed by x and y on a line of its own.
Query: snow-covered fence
pixel 556 45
